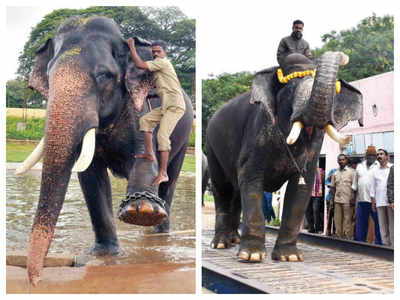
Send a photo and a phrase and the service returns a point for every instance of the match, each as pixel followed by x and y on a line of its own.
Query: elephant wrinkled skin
pixel 87 74
pixel 248 154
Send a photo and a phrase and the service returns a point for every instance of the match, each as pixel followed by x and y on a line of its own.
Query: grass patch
pixel 273 222
pixel 17 152
pixel 33 131
pixel 192 136
pixel 208 197
pixel 189 163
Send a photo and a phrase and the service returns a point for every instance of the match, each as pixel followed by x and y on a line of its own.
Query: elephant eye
pixel 102 77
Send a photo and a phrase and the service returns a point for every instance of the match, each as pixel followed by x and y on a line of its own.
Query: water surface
pixel 74 234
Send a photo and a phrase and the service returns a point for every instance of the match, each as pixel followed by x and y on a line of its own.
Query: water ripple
pixel 74 230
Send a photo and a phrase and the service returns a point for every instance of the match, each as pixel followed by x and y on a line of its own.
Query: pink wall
pixel 376 90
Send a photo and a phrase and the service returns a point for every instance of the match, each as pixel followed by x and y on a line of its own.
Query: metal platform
pixel 341 269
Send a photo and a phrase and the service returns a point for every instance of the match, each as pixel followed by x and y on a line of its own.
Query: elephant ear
pixel 133 74
pixel 38 79
pixel 348 106
pixel 264 88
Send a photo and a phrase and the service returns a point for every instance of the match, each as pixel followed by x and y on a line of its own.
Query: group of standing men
pixel 368 190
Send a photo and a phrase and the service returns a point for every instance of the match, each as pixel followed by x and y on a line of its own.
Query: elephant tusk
pixel 294 133
pixel 345 59
pixel 336 136
pixel 32 159
pixel 87 152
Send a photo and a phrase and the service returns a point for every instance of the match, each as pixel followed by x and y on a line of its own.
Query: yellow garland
pixel 285 79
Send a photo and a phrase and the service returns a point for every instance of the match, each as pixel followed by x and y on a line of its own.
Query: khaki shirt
pixel 342 180
pixel 167 83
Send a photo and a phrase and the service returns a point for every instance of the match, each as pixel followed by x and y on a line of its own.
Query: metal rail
pixel 377 251
pixel 221 282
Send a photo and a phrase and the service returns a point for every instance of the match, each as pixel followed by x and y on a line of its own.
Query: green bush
pixel 208 197
pixel 192 137
pixel 34 129
pixel 274 222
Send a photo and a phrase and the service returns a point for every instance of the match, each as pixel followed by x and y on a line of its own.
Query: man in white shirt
pixel 379 198
pixel 361 185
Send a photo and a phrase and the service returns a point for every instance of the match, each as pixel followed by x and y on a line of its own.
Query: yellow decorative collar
pixel 285 79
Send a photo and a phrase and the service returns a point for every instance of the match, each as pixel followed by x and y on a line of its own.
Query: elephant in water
pixel 96 96
pixel 275 136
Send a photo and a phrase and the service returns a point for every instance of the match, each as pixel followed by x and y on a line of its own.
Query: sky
pixel 20 19
pixel 246 38
pixel 231 37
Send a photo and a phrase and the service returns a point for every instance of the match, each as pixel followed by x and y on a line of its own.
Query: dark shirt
pixel 290 45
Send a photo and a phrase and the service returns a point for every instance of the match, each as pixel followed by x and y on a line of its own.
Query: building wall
pixel 377 90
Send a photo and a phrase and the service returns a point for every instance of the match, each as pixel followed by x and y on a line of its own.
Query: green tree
pixel 369 45
pixel 219 90
pixel 179 32
pixel 15 93
pixel 169 24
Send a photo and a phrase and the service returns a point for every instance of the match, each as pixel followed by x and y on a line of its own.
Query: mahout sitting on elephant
pixel 96 96
pixel 275 136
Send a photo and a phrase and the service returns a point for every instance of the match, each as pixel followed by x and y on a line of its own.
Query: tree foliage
pixel 369 46
pixel 219 90
pixel 15 93
pixel 168 23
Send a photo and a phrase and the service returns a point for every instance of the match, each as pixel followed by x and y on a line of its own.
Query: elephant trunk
pixel 68 118
pixel 319 110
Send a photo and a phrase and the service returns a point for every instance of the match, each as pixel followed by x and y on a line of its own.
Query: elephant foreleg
pixel 296 200
pixel 252 242
pixel 96 187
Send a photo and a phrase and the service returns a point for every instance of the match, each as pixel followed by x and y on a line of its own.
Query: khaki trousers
pixel 167 120
pixel 386 225
pixel 343 218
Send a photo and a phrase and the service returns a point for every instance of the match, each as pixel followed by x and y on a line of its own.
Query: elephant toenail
pixel 255 257
pixel 221 246
pixel 243 255
pixel 293 257
pixel 146 208
pixel 132 208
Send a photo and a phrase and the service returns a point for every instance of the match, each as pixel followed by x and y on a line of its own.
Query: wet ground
pixel 150 263
pixel 152 278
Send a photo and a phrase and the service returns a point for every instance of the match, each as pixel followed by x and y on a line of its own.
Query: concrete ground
pixel 208 216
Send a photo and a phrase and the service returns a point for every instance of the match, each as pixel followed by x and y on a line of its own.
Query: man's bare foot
pixel 161 177
pixel 146 155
